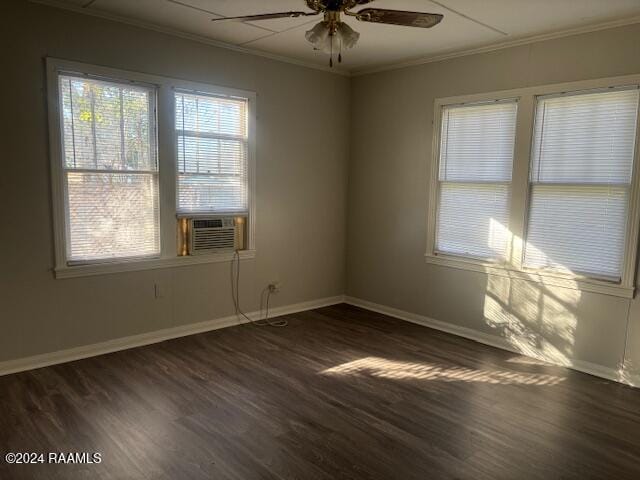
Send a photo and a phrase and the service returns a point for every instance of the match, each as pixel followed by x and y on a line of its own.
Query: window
pixel 581 171
pixel 134 156
pixel 212 141
pixel 110 169
pixel 476 157
pixel 542 187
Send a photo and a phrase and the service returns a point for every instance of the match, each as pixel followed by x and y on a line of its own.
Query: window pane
pixel 212 140
pixel 112 216
pixel 212 193
pixel 109 126
pixel 586 138
pixel 211 114
pixel 477 142
pixel 581 166
pixel 476 160
pixel 78 138
pixel 211 155
pixel 139 138
pixel 106 125
pixel 473 220
pixel 578 229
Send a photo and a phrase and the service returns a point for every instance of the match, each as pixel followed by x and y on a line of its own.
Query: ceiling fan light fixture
pixel 318 36
pixel 348 36
pixel 321 38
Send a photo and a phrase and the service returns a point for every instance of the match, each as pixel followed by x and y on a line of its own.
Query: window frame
pixel 64 170
pixel 166 147
pixel 200 89
pixel 521 193
pixel 438 183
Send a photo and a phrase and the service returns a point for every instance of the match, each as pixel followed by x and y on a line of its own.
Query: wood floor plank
pixel 341 393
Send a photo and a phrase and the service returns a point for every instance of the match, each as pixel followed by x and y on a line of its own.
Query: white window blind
pixel 581 169
pixel 476 158
pixel 110 169
pixel 213 143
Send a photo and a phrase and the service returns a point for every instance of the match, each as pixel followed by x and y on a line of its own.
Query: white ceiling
pixel 467 24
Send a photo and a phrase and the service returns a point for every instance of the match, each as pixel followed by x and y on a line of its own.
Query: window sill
pixel 575 283
pixel 139 265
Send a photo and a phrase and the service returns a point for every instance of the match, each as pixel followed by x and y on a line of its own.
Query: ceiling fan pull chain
pixel 331 54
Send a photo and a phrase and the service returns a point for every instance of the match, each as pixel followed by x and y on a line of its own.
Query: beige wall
pixel 302 201
pixel 302 156
pixel 391 141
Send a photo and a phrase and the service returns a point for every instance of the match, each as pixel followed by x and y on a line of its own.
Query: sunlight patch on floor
pixel 399 370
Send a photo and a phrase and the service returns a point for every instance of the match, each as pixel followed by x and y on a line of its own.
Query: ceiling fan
pixel 332 33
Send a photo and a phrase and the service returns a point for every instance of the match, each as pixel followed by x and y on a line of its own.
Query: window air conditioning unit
pixel 214 235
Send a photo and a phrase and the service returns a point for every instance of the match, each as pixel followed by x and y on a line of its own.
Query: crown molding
pixel 188 36
pixel 492 47
pixel 499 46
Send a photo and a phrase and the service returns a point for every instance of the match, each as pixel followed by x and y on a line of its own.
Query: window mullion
pixel 167 163
pixel 519 197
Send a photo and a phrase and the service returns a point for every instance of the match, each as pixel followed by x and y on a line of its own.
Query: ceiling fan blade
pixel 399 17
pixel 315 5
pixel 266 16
pixel 355 3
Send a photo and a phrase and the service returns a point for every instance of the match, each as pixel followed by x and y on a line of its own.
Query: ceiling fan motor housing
pixel 334 5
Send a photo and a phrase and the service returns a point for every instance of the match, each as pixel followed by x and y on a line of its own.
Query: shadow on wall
pixel 536 319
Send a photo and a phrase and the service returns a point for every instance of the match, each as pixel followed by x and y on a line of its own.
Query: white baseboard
pixel 492 340
pixel 85 351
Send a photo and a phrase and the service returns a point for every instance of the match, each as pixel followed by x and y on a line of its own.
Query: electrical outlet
pixel 274 287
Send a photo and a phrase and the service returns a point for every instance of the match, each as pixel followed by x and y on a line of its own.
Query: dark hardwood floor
pixel 342 393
